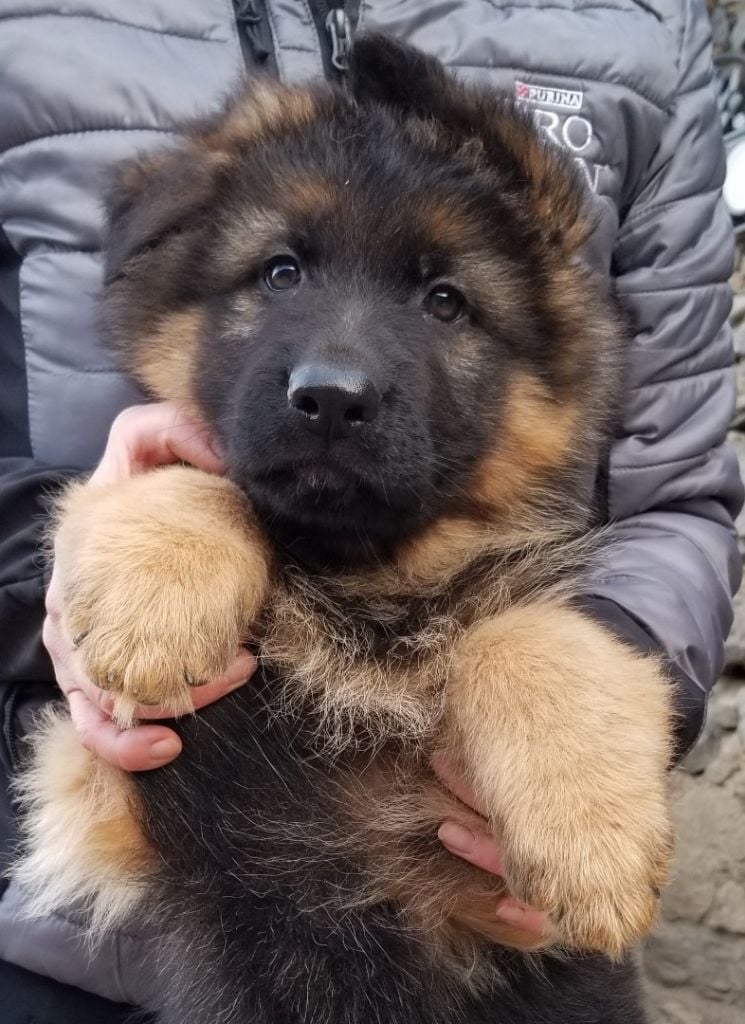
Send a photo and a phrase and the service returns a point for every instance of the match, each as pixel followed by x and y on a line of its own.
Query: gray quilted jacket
pixel 624 85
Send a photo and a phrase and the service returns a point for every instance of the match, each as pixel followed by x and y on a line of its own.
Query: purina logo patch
pixel 548 96
pixel 557 114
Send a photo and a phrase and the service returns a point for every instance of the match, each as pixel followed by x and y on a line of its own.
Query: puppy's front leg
pixel 162 576
pixel 564 734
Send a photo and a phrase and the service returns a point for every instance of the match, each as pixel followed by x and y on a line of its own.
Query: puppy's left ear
pixel 384 70
pixel 485 126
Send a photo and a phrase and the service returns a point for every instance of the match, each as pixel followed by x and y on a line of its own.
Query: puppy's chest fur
pixel 372 653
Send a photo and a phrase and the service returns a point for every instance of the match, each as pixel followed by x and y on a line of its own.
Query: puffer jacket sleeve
pixel 673 484
pixel 26 674
pixel 25 488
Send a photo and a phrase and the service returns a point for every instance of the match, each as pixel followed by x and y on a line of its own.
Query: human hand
pixel 141 438
pixel 480 848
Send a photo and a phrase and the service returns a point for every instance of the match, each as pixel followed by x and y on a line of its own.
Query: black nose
pixel 333 400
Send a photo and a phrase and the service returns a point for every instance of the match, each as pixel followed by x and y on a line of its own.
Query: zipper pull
pixel 339 27
pixel 246 12
pixel 248 18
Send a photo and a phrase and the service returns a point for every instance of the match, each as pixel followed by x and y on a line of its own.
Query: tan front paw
pixel 163 575
pixel 563 733
pixel 600 886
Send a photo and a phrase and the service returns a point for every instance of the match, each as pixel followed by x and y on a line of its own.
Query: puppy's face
pixel 365 299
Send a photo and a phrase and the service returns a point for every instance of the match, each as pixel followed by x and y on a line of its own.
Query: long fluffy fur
pixel 85 847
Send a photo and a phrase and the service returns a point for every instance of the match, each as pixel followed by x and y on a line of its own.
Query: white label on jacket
pixel 549 96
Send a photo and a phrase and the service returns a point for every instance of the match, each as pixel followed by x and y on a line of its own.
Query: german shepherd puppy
pixel 378 302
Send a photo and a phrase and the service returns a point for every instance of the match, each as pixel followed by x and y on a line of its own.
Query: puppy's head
pixel 374 298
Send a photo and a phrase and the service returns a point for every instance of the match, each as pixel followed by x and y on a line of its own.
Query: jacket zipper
pixel 335 30
pixel 339 28
pixel 333 24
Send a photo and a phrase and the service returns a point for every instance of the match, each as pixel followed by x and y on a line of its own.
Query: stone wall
pixel 695 961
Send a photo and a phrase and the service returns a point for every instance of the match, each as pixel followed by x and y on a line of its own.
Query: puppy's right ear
pixel 153 197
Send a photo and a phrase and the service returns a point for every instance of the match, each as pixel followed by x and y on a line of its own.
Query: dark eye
pixel 445 303
pixel 282 273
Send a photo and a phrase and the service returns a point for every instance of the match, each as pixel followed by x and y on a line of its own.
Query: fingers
pixel 146 436
pixel 478 848
pixel 533 922
pixel 483 851
pixel 138 749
